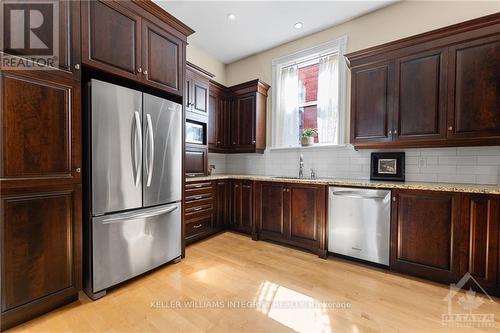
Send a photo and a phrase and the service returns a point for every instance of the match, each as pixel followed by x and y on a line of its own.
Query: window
pixel 310 88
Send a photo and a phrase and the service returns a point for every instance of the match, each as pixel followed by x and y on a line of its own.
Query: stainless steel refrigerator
pixel 135 184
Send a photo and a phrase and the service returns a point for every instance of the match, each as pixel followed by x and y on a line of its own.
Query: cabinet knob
pixel 390 132
pixel 284 190
pixel 218 142
pixel 77 66
pixel 450 128
pixel 145 72
pixel 197 226
pixel 139 70
pixel 395 132
pixel 234 142
pixel 253 142
pixel 393 198
pixel 78 170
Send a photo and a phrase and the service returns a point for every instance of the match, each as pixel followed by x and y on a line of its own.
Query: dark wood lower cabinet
pixel 426 234
pixel 481 236
pixel 441 236
pixel 292 213
pixel 242 206
pixel 41 250
pixel 222 203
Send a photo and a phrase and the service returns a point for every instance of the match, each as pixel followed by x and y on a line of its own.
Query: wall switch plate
pixel 422 162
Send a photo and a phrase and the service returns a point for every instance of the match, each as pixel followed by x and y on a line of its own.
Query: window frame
pixel 339 46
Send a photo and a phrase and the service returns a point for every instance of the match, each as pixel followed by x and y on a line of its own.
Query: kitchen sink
pixel 291 177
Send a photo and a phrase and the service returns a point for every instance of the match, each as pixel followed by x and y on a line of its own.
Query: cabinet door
pixel 200 97
pixel 246 219
pixel 425 235
pixel 41 128
pixel 111 38
pixel 195 163
pixel 481 236
pixel 161 58
pixel 420 97
pixel 236 205
pixel 474 98
pixel 226 124
pixel 213 115
pixel 306 213
pixel 221 204
pixel 271 207
pixel 244 125
pixel 372 103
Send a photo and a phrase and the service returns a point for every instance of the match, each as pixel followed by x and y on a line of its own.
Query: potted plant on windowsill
pixel 308 135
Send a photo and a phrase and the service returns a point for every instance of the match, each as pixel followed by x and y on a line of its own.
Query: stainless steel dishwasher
pixel 359 223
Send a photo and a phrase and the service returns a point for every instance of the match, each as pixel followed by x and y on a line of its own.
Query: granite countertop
pixel 448 187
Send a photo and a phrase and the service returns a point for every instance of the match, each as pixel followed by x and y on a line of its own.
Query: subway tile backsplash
pixel 470 165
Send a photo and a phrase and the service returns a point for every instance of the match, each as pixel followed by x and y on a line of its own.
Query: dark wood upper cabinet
pixel 197 93
pixel 475 89
pixel 443 86
pixel 371 105
pixel 244 122
pixel 291 213
pixel 481 234
pixel 162 55
pixel 426 229
pixel 135 40
pixel 111 38
pixel 238 118
pixel 420 96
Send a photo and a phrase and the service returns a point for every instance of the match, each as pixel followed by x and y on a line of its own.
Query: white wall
pixel 461 165
pixel 206 61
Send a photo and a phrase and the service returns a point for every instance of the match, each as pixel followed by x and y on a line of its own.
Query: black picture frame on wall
pixel 388 166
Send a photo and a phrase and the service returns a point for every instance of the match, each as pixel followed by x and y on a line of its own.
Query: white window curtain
pixel 287 118
pixel 328 99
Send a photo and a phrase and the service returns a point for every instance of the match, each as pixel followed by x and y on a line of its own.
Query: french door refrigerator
pixel 135 184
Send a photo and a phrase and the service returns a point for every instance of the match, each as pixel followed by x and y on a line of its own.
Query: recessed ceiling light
pixel 231 17
pixel 298 25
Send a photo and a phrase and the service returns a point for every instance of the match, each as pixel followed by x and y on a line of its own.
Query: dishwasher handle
pixel 358 195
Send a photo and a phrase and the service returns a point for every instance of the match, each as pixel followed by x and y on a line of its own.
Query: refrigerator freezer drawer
pixel 128 244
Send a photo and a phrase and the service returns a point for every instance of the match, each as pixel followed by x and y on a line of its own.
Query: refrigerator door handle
pixel 138 134
pixel 129 216
pixel 151 150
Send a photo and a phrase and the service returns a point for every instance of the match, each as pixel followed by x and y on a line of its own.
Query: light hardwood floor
pixel 230 283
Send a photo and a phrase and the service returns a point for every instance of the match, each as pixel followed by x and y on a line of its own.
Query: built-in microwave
pixel 195 132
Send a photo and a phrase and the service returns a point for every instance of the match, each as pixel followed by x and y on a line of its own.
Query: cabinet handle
pixel 197 209
pixel 77 66
pixel 234 142
pixel 197 226
pixel 78 170
pixel 198 186
pixel 145 72
pixel 139 70
pixel 197 197
pixel 395 132
pixel 236 186
pixel 246 186
pixel 221 183
pixel 390 132
pixel 394 199
pixel 450 128
pixel 284 190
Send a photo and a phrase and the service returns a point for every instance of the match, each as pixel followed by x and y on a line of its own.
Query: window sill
pixel 313 147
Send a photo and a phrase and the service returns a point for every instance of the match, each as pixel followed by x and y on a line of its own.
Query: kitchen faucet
pixel 301 166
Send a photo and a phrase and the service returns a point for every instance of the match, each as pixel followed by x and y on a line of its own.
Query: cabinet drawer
pixel 198 209
pixel 198 196
pixel 198 203
pixel 198 226
pixel 197 186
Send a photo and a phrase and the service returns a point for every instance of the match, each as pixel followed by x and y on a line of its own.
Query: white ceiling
pixel 260 25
